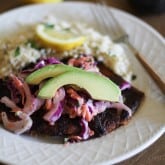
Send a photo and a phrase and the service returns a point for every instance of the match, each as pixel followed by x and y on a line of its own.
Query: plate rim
pixel 144 24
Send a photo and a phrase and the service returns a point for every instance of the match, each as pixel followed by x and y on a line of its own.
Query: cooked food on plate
pixel 67 80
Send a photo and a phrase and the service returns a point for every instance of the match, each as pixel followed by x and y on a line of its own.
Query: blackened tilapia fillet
pixel 101 124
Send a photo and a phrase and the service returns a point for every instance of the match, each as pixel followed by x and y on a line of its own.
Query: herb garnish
pixel 17 51
pixel 49 26
pixel 32 44
pixel 133 77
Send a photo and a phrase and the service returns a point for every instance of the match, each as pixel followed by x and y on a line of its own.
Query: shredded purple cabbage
pixel 125 85
pixel 57 114
pixel 41 63
pixel 53 117
pixel 85 130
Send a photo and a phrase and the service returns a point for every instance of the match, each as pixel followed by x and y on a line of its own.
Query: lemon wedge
pixel 62 39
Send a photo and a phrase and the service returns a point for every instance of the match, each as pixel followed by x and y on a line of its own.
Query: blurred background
pixel 151 12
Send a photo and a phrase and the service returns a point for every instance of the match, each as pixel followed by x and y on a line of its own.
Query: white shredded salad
pixel 19 50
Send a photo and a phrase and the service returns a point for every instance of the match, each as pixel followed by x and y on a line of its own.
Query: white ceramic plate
pixel 146 126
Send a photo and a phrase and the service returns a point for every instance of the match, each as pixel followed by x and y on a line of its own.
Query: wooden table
pixel 155 154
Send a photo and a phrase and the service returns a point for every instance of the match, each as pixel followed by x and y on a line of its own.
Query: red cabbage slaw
pixel 86 108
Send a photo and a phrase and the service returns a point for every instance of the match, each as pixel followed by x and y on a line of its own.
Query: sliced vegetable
pixel 85 129
pixel 125 85
pixel 56 110
pixel 98 86
pixel 17 127
pixel 121 107
pixel 47 72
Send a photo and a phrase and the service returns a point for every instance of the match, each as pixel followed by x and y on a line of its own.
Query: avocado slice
pixel 99 87
pixel 47 72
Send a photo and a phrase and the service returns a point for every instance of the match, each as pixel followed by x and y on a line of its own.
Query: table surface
pixel 155 154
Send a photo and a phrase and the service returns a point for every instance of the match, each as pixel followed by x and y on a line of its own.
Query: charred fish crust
pixel 105 122
pixel 65 126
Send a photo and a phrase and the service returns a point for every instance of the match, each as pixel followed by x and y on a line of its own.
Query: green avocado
pixel 99 87
pixel 47 72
